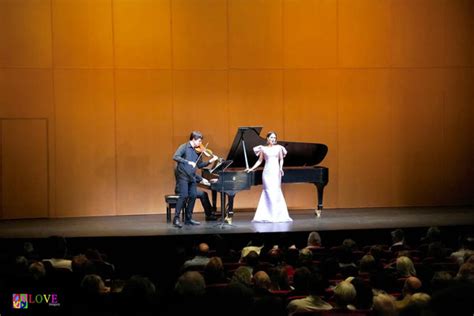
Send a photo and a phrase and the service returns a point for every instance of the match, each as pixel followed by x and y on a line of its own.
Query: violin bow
pixel 200 155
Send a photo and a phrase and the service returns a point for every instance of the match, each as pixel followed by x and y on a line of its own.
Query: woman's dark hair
pixel 195 135
pixel 270 133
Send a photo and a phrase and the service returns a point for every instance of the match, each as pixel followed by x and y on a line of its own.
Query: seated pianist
pixel 209 210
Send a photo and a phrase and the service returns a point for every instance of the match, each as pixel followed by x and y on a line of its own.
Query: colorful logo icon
pixel 20 301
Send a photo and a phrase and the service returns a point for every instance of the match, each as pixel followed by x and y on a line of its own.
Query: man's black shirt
pixel 184 170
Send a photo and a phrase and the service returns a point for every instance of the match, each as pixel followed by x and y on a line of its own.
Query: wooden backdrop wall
pixel 95 96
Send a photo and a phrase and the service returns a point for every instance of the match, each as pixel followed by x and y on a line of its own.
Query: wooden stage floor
pixel 303 221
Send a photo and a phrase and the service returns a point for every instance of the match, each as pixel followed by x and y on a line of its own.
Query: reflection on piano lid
pixel 221 166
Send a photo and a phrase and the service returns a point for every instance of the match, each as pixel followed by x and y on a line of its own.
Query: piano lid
pixel 299 154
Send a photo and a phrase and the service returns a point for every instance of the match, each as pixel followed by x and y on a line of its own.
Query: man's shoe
pixel 177 224
pixel 211 218
pixel 192 222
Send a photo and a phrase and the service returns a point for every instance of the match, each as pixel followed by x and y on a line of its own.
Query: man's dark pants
pixel 187 194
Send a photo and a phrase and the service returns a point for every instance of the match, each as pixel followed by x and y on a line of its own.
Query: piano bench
pixel 171 200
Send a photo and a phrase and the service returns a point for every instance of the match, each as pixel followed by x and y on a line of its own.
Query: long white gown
pixel 272 205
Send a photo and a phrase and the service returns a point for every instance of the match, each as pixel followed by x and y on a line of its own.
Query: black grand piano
pixel 229 177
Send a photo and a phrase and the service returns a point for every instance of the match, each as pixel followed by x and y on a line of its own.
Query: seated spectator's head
pixel 349 243
pixel 252 259
pixel 367 263
pixel 344 294
pixel 384 305
pixel 93 284
pixel 417 305
pixel 21 263
pixel 412 285
pixel 190 283
pixel 364 295
pixel 243 276
pixel 466 272
pixel 405 267
pixel 314 239
pixel 214 270
pixel 203 249
pixel 376 251
pixel 398 235
pixel 274 255
pixel 279 278
pixel 37 270
pixel 138 289
pixel 434 234
pixel 301 279
pixel 420 299
pixel 261 280
pixel 306 255
pixel 81 265
pixel 29 250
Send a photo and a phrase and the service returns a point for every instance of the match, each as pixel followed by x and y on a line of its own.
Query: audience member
pixel 265 302
pixel 314 240
pixel 364 294
pixel 466 273
pixel 57 247
pixel 405 267
pixel 214 271
pixel 384 305
pixel 279 279
pixel 301 282
pixel 344 295
pixel 466 248
pixel 417 306
pixel 138 289
pixel 312 302
pixel 398 240
pixel 411 286
pixel 200 260
pixel 188 298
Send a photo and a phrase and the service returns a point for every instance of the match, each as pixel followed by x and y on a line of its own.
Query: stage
pixel 303 221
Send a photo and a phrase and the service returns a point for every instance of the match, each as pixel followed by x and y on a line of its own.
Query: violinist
pixel 188 160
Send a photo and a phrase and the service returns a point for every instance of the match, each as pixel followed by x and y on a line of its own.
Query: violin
pixel 201 149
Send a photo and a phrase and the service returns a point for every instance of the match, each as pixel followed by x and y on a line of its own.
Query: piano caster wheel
pixel 318 213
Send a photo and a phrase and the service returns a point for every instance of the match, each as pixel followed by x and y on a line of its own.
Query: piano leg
pixel 227 209
pixel 320 190
pixel 214 201
pixel 223 213
pixel 230 206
